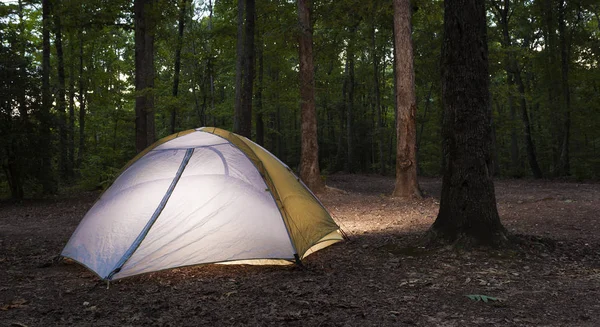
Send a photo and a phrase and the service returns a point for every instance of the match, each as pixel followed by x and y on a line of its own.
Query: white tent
pixel 200 196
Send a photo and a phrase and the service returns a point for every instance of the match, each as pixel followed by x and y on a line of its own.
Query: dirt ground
pixel 378 278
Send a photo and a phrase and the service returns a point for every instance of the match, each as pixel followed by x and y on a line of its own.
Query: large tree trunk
pixel 144 73
pixel 61 104
pixel 468 212
pixel 177 68
pixel 309 157
pixel 406 107
pixel 46 174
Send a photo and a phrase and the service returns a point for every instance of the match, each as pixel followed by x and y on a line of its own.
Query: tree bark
pixel 245 122
pixel 61 104
pixel 81 100
pixel 239 69
pixel 309 158
pixel 513 72
pixel 260 125
pixel 468 212
pixel 377 97
pixel 349 91
pixel 144 73
pixel 177 64
pixel 564 167
pixel 71 123
pixel 406 130
pixel 46 173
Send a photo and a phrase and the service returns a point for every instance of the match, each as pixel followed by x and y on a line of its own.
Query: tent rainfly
pixel 201 196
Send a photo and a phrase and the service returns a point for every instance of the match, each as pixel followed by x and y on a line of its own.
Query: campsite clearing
pixel 379 278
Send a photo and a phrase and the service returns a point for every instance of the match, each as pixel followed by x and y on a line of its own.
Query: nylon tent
pixel 201 196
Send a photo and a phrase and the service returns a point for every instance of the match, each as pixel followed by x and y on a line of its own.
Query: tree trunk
pixel 71 124
pixel 309 158
pixel 144 73
pixel 514 74
pixel 468 212
pixel 177 68
pixel 245 121
pixel 46 173
pixel 564 167
pixel 260 125
pixel 377 98
pixel 239 68
pixel 61 104
pixel 81 100
pixel 349 90
pixel 531 155
pixel 406 129
pixel 23 68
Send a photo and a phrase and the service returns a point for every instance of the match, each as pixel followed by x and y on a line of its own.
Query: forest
pixel 68 109
pixel 434 163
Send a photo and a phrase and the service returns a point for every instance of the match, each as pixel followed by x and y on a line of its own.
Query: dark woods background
pixel 68 94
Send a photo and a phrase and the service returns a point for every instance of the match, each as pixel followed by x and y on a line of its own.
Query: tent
pixel 201 196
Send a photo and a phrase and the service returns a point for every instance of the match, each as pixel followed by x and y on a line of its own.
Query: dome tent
pixel 200 196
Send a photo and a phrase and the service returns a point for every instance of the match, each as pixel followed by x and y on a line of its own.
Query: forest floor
pixel 378 278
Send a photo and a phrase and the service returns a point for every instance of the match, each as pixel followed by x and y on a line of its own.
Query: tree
pixel 144 73
pixel 513 71
pixel 63 162
pixel 406 107
pixel 242 120
pixel 309 157
pixel 468 212
pixel 177 64
pixel 46 173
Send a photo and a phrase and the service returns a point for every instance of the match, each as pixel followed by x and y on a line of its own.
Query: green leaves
pixel 484 298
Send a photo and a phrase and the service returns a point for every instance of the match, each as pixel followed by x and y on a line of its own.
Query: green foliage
pixel 103 31
pixel 97 173
pixel 484 298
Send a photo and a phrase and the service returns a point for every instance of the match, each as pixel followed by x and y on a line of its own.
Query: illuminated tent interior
pixel 201 196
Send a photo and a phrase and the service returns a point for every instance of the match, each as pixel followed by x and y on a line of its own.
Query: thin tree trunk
pixel 406 165
pixel 209 62
pixel 468 212
pixel 81 100
pixel 377 98
pixel 71 125
pixel 514 74
pixel 309 158
pixel 239 68
pixel 23 69
pixel 46 172
pixel 245 122
pixel 564 167
pixel 531 155
pixel 177 64
pixel 350 102
pixel 144 73
pixel 61 96
pixel 260 125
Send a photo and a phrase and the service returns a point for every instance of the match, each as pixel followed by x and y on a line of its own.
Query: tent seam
pixel 138 241
pixel 266 175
